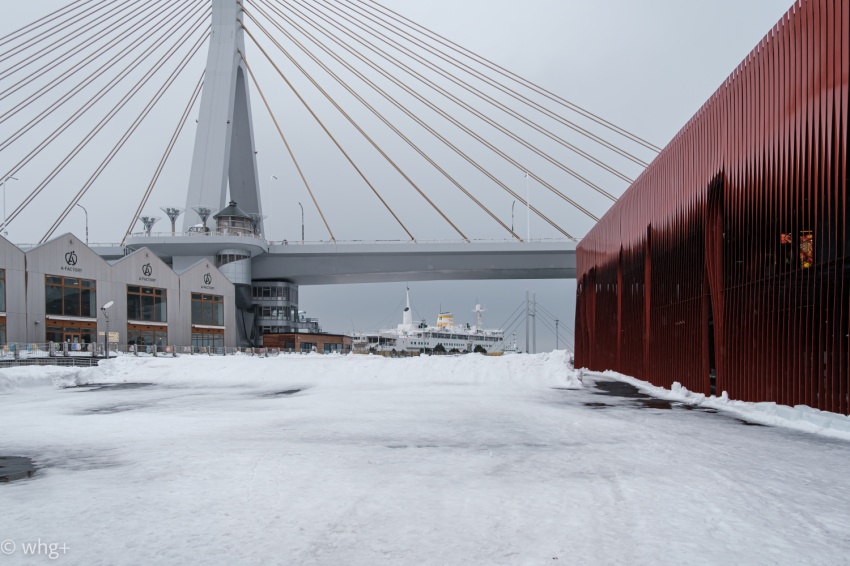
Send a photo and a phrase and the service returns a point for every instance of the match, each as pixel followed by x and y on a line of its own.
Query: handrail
pixel 414 242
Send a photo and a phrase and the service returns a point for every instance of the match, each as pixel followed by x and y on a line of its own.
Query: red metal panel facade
pixel 728 257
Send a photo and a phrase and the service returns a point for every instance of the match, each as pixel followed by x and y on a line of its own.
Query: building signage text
pixel 147 272
pixel 71 261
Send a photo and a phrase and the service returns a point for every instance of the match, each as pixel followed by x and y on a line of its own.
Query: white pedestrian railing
pixel 26 351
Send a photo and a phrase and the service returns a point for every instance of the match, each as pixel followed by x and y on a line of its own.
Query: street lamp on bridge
pixel 9 178
pixel 302 222
pixel 87 222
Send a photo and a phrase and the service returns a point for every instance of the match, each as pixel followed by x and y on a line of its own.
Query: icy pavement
pixel 364 460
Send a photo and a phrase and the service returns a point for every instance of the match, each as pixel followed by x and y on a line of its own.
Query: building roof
pixel 232 211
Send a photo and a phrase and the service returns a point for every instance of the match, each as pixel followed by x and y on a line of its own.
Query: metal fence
pixel 28 351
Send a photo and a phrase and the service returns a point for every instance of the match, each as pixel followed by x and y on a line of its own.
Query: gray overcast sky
pixel 646 66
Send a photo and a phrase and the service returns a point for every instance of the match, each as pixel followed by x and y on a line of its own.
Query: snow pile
pixel 521 371
pixel 14 378
pixel 800 417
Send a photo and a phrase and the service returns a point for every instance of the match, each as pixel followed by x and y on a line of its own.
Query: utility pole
pixel 527 342
pixel 534 322
pixel 557 342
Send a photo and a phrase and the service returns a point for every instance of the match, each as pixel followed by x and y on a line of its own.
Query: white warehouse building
pixel 55 293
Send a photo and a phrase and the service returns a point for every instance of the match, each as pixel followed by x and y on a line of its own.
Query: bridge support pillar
pixel 224 154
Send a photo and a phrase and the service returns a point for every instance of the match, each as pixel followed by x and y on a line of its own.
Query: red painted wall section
pixel 728 257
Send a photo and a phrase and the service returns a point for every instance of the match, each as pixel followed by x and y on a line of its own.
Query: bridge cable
pixel 73 46
pixel 452 146
pixel 310 110
pixel 493 102
pixel 517 96
pixel 181 124
pixel 356 126
pixel 487 144
pixel 511 330
pixel 92 101
pixel 353 123
pixel 44 20
pixel 47 34
pixel 286 143
pixel 127 135
pixel 74 50
pixel 522 304
pixel 567 341
pixel 371 108
pixel 138 86
pixel 114 60
pixel 517 79
pixel 553 318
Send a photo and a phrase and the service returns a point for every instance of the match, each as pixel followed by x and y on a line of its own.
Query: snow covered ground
pixel 469 460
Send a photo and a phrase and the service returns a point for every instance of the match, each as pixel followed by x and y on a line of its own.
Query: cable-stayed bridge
pixel 91 70
pixel 415 155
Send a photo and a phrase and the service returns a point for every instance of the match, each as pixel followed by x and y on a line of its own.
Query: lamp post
pixel 87 222
pixel 106 334
pixel 527 210
pixel 302 222
pixel 5 232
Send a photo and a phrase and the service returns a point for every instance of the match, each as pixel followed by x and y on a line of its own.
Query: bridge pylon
pixel 224 156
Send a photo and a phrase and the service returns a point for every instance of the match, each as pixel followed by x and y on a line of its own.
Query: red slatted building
pixel 728 257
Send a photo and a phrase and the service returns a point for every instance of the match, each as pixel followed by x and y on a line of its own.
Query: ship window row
pixel 454 337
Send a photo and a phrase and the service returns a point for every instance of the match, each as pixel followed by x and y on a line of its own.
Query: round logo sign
pixel 208 279
pixel 147 270
pixel 71 258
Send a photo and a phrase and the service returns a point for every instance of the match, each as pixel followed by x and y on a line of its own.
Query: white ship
pixel 419 337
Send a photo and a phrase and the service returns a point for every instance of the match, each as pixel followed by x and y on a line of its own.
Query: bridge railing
pixel 229 232
pixel 450 241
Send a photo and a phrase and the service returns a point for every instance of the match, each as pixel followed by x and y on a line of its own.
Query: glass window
pixel 207 340
pixel 147 304
pixel 147 337
pixel 207 310
pixel 70 296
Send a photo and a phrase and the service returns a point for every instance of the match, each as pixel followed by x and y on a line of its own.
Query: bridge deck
pixel 334 263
